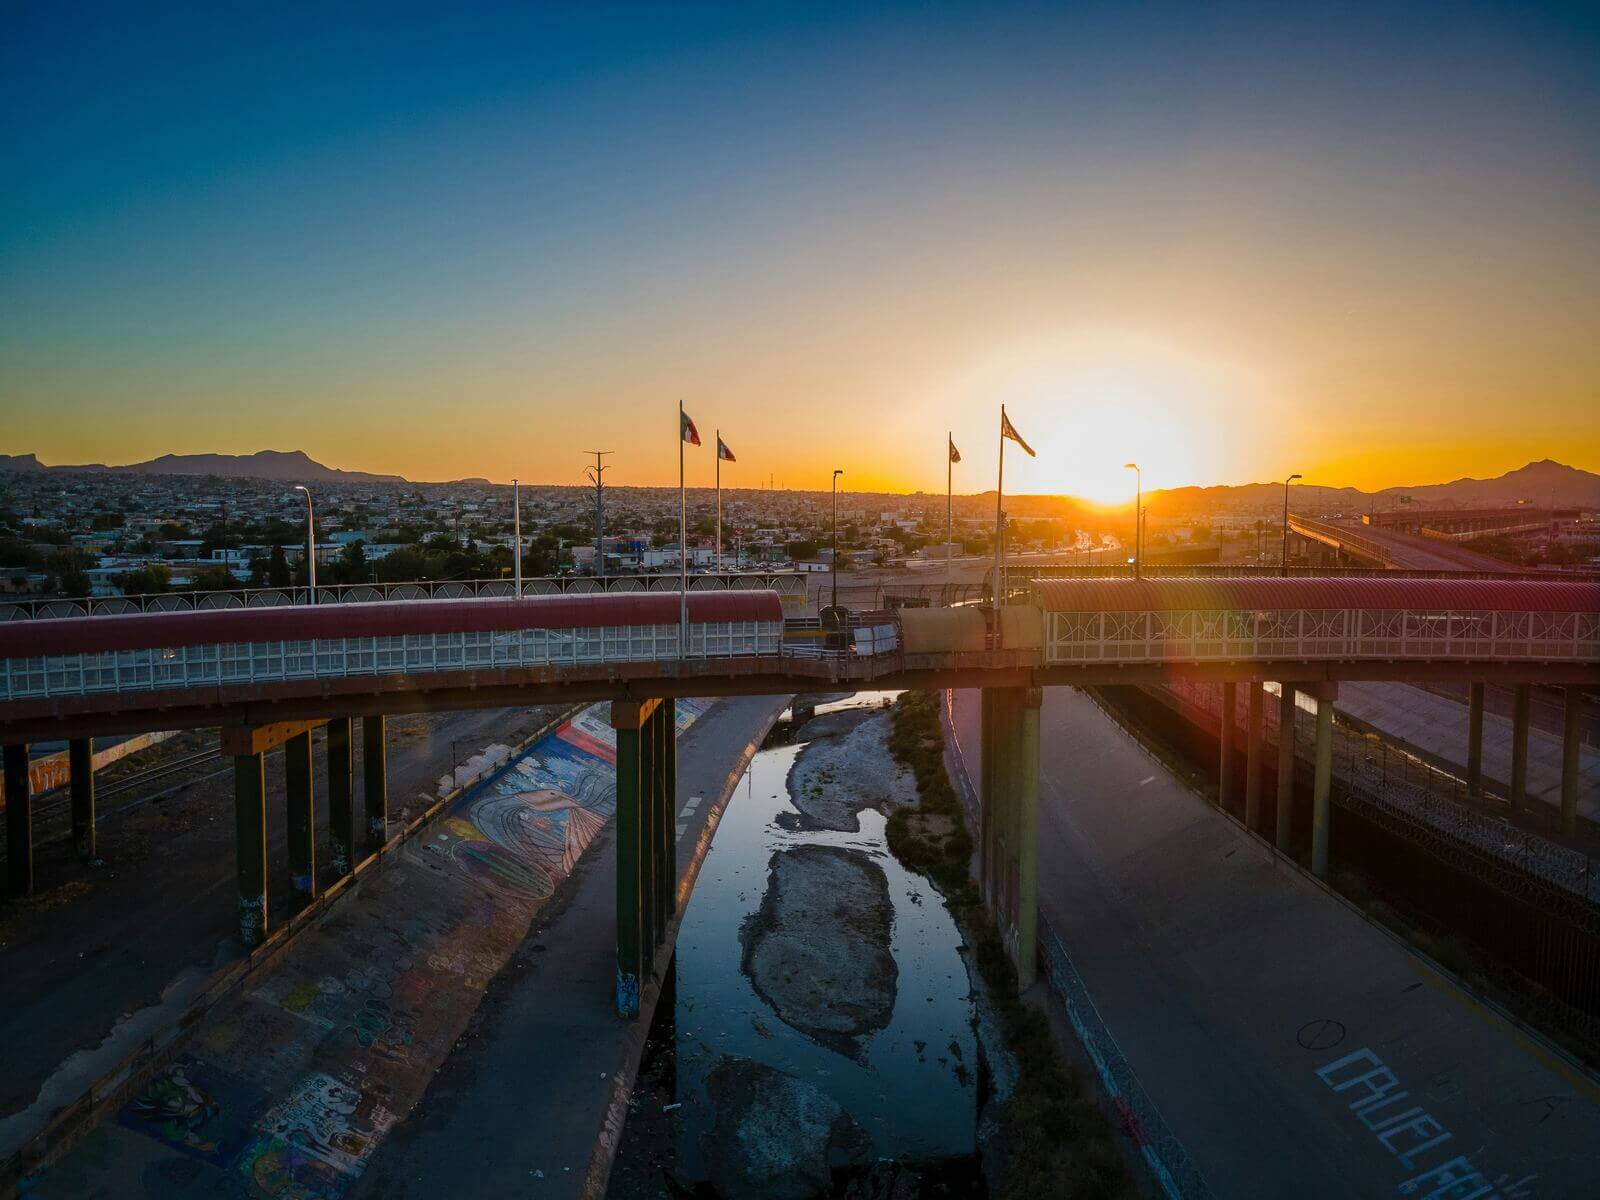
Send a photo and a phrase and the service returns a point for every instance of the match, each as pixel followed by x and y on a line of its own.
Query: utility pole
pixel 596 476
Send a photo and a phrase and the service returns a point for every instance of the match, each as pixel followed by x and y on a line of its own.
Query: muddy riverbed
pixel 817 1036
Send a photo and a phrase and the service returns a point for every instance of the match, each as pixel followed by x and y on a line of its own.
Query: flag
pixel 692 435
pixel 1008 430
pixel 955 455
pixel 723 452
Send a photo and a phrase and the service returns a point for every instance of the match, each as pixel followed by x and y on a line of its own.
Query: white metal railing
pixel 1339 634
pixel 237 664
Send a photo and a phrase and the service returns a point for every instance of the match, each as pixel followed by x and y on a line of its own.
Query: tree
pixel 71 577
pixel 278 569
pixel 214 578
pixel 352 566
pixel 150 578
pixel 801 549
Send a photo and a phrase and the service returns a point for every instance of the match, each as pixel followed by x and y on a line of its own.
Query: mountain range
pixel 286 465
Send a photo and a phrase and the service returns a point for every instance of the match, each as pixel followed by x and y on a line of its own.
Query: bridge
pixel 1384 544
pixel 266 674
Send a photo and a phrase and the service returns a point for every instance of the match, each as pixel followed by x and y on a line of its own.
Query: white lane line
pixel 694 803
pixel 1147 779
pixel 681 828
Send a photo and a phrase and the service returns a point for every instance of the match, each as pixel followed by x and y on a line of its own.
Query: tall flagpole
pixel 683 549
pixel 999 527
pixel 949 506
pixel 719 502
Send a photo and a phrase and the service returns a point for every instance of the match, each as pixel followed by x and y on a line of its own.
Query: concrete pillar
pixel 80 761
pixel 1285 766
pixel 649 837
pixel 375 782
pixel 1027 831
pixel 1230 703
pixel 341 788
pixel 1252 761
pixel 1521 700
pixel 19 822
pixel 625 719
pixel 1570 743
pixel 250 845
pixel 1475 742
pixel 668 710
pixel 987 797
pixel 302 825
pixel 1322 779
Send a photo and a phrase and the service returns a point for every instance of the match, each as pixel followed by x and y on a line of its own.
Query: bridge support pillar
pixel 1252 761
pixel 297 775
pixel 1570 740
pixel 1230 711
pixel 80 763
pixel 1475 742
pixel 375 782
pixel 1322 780
pixel 646 845
pixel 1521 702
pixel 19 821
pixel 1010 818
pixel 341 786
pixel 250 845
pixel 1285 822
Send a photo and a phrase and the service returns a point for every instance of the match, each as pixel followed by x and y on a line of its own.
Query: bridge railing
pixel 1330 634
pixel 791 585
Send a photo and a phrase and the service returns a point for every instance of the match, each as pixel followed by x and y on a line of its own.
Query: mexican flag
pixel 723 452
pixel 690 433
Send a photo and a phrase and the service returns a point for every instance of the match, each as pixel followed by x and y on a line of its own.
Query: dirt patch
pixel 817 950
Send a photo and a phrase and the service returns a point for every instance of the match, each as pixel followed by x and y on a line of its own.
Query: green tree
pixel 352 566
pixel 278 569
pixel 150 578
pixel 214 578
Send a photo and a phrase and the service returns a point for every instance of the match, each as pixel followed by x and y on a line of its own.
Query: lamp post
pixel 1138 517
pixel 835 563
pixel 1284 569
pixel 311 540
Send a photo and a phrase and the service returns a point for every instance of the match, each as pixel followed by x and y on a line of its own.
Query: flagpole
pixel 719 503
pixel 999 529
pixel 949 506
pixel 683 549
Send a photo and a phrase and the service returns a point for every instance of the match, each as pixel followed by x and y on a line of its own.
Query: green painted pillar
pixel 1285 830
pixel 302 825
pixel 250 845
pixel 1002 750
pixel 1475 742
pixel 80 763
pixel 987 799
pixel 1322 781
pixel 341 789
pixel 1571 727
pixel 1230 711
pixel 19 821
pixel 1028 703
pixel 668 710
pixel 1252 760
pixel 1521 701
pixel 375 781
pixel 650 834
pixel 630 848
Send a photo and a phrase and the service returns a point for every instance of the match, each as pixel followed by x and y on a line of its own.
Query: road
pixel 1230 979
pixel 161 913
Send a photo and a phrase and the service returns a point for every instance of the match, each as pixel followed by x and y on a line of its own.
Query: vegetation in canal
pixel 1059 1143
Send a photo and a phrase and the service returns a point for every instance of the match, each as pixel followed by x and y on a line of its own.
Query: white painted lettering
pixel 1422 1129
pixel 1454 1180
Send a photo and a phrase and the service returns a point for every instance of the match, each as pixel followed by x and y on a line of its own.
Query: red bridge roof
pixel 1239 593
pixel 386 618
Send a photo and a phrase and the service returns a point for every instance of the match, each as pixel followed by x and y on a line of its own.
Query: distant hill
pixel 286 465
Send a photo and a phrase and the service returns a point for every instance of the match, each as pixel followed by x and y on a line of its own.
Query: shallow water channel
pixel 908 1080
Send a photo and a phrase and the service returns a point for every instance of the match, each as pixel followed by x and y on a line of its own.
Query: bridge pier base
pixel 19 821
pixel 250 844
pixel 1252 761
pixel 341 786
pixel 375 782
pixel 1322 780
pixel 1571 727
pixel 1284 830
pixel 1521 703
pixel 1475 741
pixel 1225 745
pixel 80 765
pixel 646 845
pixel 1009 820
pixel 297 774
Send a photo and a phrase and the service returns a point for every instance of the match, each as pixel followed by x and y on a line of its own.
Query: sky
pixel 1229 241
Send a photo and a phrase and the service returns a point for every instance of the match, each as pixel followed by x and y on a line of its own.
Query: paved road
pixel 162 913
pixel 1230 980
pixel 1437 725
pixel 516 1109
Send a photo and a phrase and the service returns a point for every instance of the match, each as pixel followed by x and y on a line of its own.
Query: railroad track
pixel 61 803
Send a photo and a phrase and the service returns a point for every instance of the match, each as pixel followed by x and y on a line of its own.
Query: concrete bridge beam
pixel 80 768
pixel 1322 780
pixel 1225 738
pixel 646 842
pixel 1521 705
pixel 19 821
pixel 1252 760
pixel 1009 820
pixel 341 787
pixel 1475 742
pixel 297 774
pixel 250 844
pixel 1571 735
pixel 1285 821
pixel 375 782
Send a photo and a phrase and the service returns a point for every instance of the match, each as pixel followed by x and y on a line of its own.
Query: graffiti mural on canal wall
pixel 287 1090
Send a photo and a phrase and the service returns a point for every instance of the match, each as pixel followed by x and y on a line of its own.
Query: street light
pixel 836 473
pixel 1138 516
pixel 311 539
pixel 1285 553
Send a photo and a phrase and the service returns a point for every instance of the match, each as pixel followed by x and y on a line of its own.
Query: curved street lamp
pixel 311 540
pixel 1138 517
pixel 1284 570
